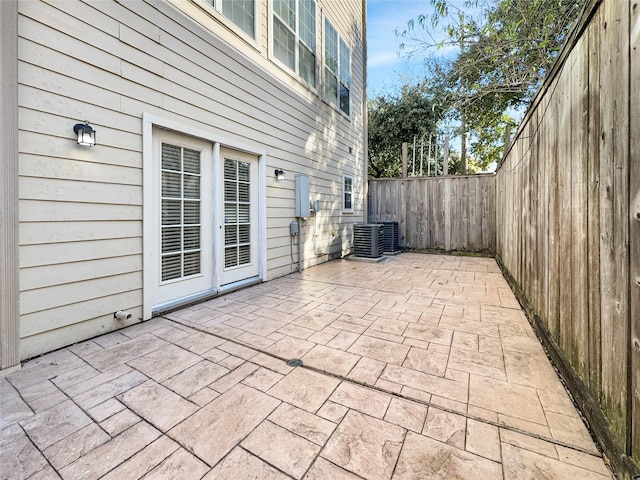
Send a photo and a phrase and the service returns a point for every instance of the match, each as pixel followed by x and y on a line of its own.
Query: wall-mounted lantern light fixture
pixel 86 134
pixel 280 174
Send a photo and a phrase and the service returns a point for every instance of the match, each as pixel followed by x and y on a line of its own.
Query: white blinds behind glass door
pixel 237 214
pixel 180 222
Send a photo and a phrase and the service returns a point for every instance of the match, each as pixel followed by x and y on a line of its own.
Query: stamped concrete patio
pixel 422 366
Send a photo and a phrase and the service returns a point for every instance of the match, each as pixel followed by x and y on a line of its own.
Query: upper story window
pixel 240 12
pixel 294 36
pixel 337 68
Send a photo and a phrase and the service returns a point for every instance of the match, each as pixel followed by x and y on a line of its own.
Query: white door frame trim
pixel 149 121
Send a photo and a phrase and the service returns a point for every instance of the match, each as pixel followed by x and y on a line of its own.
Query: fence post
pixel 429 158
pixel 507 139
pixel 413 167
pixel 445 161
pixel 421 153
pixel 405 154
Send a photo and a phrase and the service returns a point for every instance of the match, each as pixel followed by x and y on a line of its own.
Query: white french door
pixel 239 224
pixel 183 219
pixel 203 219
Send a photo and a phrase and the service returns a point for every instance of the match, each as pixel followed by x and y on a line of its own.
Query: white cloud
pixel 382 59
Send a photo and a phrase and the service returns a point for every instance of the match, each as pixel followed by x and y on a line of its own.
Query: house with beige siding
pixel 230 141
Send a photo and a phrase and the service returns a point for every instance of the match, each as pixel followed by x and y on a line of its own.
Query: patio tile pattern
pixel 421 366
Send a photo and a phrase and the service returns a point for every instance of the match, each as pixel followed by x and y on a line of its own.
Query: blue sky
pixel 386 69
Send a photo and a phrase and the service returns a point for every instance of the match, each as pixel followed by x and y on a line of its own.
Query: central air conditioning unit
pixel 391 237
pixel 368 240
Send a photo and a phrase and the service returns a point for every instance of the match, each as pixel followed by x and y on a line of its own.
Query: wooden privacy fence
pixel 562 215
pixel 444 213
pixel 568 221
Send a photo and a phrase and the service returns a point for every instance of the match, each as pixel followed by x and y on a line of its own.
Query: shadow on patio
pixel 423 366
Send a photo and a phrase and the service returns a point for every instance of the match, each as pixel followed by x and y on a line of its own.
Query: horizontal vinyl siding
pixel 66 273
pixel 108 63
pixel 59 253
pixel 75 332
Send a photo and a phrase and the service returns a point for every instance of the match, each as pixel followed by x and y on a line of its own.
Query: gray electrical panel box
pixel 302 196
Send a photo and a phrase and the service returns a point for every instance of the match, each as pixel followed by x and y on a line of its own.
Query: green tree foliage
pixel 503 50
pixel 394 119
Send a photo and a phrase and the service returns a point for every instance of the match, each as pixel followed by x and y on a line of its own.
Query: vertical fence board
pixel 522 173
pixel 541 247
pixel 409 214
pixel 579 131
pixel 594 379
pixel 448 190
pixel 421 220
pixel 614 223
pixel 535 217
pixel 437 214
pixel 464 212
pixel 564 160
pixel 634 220
pixel 545 307
pixel 488 215
pixel 475 226
pixel 402 197
pixel 554 216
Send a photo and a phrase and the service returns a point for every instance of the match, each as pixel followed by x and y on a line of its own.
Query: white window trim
pixel 279 63
pixel 344 209
pixel 335 104
pixel 216 13
pixel 148 227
